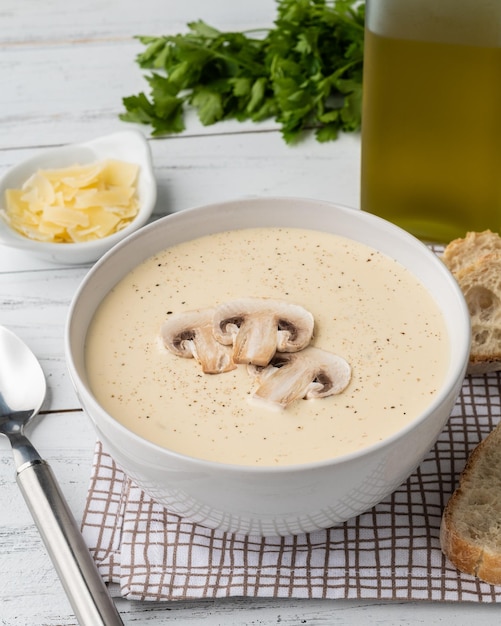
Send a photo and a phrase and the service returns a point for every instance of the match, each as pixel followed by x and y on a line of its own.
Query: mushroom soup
pixel 363 311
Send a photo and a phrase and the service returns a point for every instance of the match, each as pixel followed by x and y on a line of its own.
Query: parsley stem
pixel 255 68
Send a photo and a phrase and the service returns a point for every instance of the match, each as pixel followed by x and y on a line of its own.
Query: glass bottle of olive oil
pixel 431 121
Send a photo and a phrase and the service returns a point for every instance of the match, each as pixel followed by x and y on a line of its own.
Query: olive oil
pixel 431 135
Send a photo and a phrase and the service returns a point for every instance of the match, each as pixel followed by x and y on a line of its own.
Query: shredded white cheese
pixel 74 204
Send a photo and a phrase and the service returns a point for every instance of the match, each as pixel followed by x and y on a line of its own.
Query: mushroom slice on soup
pixel 189 334
pixel 311 373
pixel 259 327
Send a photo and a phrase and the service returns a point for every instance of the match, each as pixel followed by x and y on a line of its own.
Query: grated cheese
pixel 76 203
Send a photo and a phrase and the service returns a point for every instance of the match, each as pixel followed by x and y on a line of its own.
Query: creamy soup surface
pixel 368 309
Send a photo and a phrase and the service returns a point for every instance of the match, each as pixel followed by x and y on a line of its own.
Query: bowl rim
pixel 452 381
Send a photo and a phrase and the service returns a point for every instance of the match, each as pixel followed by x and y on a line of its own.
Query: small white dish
pixel 127 146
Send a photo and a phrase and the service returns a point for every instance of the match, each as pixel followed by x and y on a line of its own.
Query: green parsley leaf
pixel 209 104
pixel 305 72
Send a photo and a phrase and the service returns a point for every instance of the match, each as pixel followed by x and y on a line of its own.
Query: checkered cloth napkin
pixel 390 552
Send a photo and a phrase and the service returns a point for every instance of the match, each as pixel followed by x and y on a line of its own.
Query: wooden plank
pixel 31 22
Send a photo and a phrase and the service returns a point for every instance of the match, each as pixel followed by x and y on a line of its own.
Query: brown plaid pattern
pixel 390 552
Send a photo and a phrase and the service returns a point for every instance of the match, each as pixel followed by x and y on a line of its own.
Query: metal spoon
pixel 22 392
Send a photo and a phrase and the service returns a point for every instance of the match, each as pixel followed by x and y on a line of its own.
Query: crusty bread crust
pixel 462 252
pixel 470 532
pixel 483 366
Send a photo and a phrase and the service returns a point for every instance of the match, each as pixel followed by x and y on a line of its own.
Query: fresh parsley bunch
pixel 305 72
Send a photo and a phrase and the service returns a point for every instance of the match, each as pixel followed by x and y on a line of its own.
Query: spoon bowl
pixel 22 384
pixel 22 392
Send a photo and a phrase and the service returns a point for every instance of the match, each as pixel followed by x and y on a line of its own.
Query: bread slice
pixel 463 252
pixel 470 532
pixel 480 283
pixel 475 261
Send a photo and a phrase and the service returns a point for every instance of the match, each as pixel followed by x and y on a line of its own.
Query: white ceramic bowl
pixel 127 146
pixel 288 499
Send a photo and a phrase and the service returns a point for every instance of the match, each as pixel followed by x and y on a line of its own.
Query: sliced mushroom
pixel 189 335
pixel 259 327
pixel 312 373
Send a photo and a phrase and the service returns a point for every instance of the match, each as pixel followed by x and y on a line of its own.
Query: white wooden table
pixel 64 68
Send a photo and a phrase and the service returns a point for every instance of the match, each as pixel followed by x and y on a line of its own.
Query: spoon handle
pixel 79 575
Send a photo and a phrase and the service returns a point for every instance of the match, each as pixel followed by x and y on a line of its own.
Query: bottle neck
pixel 464 22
